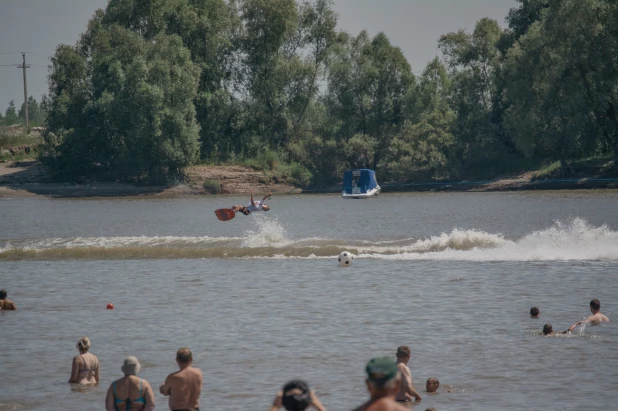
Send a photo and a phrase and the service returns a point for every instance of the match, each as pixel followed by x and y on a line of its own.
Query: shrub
pixel 212 186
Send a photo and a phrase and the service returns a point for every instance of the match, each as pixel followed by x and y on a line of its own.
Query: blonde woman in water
pixel 85 369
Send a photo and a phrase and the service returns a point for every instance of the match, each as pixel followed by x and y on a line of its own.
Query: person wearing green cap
pixel 383 379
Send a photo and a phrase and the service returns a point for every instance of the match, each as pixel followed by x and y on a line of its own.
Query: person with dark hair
pixel 296 396
pixel 406 388
pixel 184 386
pixel 596 317
pixel 5 303
pixel 253 205
pixel 549 330
pixel 534 312
pixel 383 379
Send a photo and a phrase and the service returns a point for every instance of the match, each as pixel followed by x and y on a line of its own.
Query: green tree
pixel 421 149
pixel 36 113
pixel 10 114
pixel 475 64
pixel 131 104
pixel 368 91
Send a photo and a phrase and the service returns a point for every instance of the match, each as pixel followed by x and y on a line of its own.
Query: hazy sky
pixel 38 26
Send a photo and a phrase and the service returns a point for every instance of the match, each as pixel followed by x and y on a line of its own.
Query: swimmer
pixel 406 389
pixel 121 393
pixel 383 380
pixel 548 329
pixel 432 385
pixel 296 396
pixel 253 205
pixel 184 386
pixel 5 303
pixel 596 317
pixel 534 312
pixel 85 368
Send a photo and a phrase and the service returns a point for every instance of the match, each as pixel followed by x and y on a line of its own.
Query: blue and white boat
pixel 360 183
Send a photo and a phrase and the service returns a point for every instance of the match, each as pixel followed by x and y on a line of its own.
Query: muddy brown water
pixel 260 299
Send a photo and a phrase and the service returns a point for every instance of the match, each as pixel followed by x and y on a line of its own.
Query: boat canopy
pixel 359 181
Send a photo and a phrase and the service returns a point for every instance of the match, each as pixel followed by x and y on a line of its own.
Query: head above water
pixel 3 294
pixel 184 356
pixel 265 207
pixel 595 306
pixel 432 384
pixel 382 376
pixel 534 312
pixel 131 366
pixel 403 352
pixel 547 329
pixel 83 344
pixel 296 396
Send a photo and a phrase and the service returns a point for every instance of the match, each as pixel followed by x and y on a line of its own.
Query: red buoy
pixel 110 306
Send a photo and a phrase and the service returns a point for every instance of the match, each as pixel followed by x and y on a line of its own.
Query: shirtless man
pixel 5 303
pixel 596 317
pixel 253 205
pixel 184 386
pixel 406 389
pixel 383 379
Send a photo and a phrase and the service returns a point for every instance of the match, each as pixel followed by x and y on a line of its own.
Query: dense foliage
pixel 155 85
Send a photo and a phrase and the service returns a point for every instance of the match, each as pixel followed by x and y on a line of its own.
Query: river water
pixel 260 299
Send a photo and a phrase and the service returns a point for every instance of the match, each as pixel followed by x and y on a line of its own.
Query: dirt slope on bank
pixel 31 178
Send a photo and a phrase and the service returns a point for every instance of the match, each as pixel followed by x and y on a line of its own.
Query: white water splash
pixel 576 241
pixel 268 233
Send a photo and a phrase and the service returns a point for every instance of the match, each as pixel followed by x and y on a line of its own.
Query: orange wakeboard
pixel 225 214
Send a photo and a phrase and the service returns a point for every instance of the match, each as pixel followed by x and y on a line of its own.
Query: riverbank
pixel 23 178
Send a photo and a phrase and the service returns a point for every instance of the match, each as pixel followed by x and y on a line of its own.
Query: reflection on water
pixel 261 300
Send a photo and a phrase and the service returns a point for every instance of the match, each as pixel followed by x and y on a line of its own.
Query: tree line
pixel 36 114
pixel 155 85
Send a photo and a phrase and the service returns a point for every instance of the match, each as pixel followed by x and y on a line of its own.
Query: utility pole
pixel 24 66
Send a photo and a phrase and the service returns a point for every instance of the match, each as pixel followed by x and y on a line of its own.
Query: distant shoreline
pixel 29 179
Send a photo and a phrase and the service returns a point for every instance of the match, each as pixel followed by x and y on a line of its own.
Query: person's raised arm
pixel 277 403
pixel 267 196
pixel 315 401
pixel 252 200
pixel 74 371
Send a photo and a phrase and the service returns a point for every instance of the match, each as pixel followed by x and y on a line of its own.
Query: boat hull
pixel 369 194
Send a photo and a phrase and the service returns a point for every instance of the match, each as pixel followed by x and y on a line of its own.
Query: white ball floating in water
pixel 345 259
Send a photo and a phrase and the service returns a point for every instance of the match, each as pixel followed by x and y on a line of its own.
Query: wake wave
pixel 572 241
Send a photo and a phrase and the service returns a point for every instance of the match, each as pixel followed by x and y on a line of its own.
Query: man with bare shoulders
pixel 184 386
pixel 596 317
pixel 406 389
pixel 5 303
pixel 383 379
